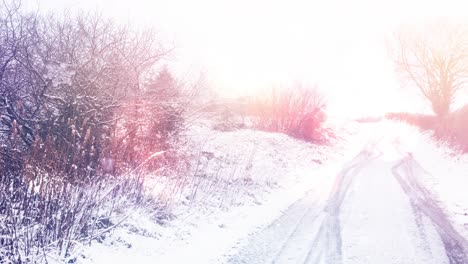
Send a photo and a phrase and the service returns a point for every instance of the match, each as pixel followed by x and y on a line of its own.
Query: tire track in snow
pixel 327 244
pixel 319 231
pixel 456 246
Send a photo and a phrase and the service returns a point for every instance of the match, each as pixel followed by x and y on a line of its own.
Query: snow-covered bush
pixel 68 161
pixel 151 122
pixel 63 82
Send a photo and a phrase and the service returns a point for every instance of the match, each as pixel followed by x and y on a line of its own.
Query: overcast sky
pixel 245 45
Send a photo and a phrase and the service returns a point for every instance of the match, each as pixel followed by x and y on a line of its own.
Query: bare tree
pixel 435 59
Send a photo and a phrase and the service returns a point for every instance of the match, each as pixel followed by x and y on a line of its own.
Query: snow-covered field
pixel 244 180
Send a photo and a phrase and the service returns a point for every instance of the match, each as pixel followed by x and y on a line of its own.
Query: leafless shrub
pixel 297 111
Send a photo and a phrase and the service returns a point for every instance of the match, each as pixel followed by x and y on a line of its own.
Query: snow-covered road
pixel 377 211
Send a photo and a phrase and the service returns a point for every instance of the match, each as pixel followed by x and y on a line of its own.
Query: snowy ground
pixel 242 181
pixel 256 197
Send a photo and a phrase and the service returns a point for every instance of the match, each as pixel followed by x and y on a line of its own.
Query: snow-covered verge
pixel 240 181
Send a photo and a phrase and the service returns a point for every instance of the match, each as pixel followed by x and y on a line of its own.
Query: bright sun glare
pixel 234 131
pixel 243 46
